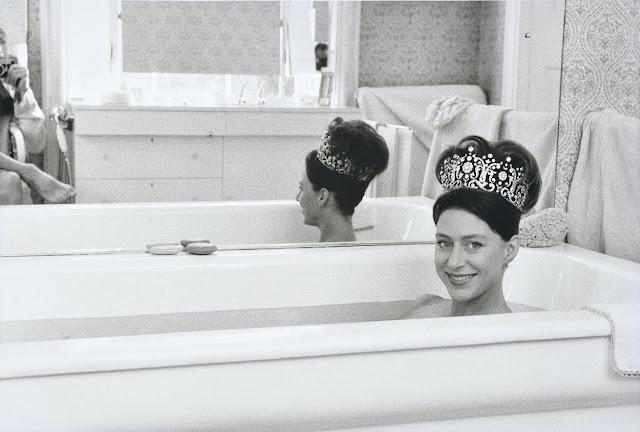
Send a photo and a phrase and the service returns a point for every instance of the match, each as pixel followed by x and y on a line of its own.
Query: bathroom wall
pixel 201 37
pixel 491 50
pixel 601 69
pixel 418 43
pixel 428 43
pixel 34 48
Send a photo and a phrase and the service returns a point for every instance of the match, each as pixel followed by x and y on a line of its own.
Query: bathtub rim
pixel 118 353
pixel 414 201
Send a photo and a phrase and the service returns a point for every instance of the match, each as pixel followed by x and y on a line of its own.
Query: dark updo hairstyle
pixel 364 147
pixel 500 214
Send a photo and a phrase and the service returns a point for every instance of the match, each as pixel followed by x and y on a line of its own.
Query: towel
pixel 605 186
pixel 451 120
pixel 624 319
pixel 406 106
pixel 545 228
pixel 538 132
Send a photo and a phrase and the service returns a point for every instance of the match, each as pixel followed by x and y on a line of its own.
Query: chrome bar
pixel 228 248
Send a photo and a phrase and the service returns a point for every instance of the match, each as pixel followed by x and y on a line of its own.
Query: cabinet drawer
pixel 149 122
pixel 148 190
pixel 113 157
pixel 265 167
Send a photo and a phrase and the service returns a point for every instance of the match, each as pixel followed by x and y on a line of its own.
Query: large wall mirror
pixel 185 101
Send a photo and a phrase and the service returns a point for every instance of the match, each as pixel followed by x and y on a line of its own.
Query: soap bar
pixel 201 248
pixel 165 249
pixel 165 243
pixel 188 242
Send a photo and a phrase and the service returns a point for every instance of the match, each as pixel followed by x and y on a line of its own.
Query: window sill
pixel 220 108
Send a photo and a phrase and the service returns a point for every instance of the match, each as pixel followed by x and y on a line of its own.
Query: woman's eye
pixel 474 245
pixel 443 244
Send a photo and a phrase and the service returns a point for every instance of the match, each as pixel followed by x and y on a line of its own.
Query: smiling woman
pixel 488 188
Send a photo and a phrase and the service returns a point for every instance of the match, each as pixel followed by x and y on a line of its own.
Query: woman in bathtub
pixel 488 188
pixel 336 177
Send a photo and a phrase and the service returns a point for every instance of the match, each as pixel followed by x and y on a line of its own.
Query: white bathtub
pixel 133 342
pixel 46 229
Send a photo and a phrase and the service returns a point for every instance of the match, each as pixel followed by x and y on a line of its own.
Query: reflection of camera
pixel 5 64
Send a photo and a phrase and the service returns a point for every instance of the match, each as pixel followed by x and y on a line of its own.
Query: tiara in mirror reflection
pixel 339 162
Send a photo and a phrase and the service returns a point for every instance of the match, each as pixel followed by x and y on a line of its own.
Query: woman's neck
pixel 491 302
pixel 336 228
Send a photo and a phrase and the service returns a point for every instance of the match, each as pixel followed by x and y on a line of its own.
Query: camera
pixel 5 64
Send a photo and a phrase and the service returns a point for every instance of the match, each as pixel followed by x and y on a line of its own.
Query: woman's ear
pixel 323 197
pixel 513 245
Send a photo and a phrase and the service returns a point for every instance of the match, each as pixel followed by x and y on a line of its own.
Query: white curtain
pixel 345 47
pixel 211 37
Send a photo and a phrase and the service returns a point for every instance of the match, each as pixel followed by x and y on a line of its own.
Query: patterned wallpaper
pixel 418 43
pixel 414 43
pixel 201 37
pixel 34 48
pixel 600 69
pixel 491 50
pixel 322 20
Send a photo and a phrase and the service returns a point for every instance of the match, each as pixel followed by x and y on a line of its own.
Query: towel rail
pixel 395 180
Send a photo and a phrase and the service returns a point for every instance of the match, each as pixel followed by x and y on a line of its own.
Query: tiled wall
pixel 600 69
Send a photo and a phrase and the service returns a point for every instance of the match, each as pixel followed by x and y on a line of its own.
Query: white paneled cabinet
pixel 146 154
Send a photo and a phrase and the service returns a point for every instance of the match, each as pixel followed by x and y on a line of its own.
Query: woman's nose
pixel 298 196
pixel 456 258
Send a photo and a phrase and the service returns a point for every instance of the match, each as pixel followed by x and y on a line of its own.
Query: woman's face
pixel 308 199
pixel 470 257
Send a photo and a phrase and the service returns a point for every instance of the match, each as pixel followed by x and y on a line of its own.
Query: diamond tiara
pixel 484 173
pixel 340 163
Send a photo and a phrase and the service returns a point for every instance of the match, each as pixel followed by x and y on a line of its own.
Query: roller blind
pixel 208 37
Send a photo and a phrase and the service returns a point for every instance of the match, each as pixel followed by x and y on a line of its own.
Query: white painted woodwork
pixel 147 154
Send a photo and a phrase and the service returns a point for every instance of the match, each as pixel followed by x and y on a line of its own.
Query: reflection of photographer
pixel 5 63
pixel 19 109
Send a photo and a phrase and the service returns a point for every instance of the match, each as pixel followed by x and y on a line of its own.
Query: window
pixel 196 52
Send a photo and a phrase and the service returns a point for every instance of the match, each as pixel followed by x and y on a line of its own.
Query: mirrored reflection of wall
pixel 430 43
pixel 401 43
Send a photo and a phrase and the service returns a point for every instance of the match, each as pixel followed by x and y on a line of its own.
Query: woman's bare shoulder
pixel 427 306
pixel 521 307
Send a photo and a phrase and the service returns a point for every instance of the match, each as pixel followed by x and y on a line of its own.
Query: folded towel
pixel 624 319
pixel 440 112
pixel 453 119
pixel 406 106
pixel 607 174
pixel 543 229
pixel 538 132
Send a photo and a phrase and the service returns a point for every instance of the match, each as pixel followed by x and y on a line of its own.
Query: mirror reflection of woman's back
pixel 337 175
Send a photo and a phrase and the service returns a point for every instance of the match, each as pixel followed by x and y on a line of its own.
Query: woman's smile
pixel 460 278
